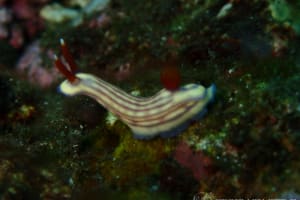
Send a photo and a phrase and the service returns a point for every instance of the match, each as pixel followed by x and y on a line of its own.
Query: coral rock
pixel 197 162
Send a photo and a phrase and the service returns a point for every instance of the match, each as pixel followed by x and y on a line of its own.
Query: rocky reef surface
pixel 57 147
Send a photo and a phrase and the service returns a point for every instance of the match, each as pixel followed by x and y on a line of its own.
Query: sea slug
pixel 166 114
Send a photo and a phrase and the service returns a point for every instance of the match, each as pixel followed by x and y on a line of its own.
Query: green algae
pixel 286 12
pixel 144 155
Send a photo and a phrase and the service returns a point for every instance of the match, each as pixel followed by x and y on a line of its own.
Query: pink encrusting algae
pixel 31 65
pixel 196 162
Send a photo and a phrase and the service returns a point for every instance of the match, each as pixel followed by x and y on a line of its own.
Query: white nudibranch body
pixel 166 113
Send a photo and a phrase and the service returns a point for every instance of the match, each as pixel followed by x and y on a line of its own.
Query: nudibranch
pixel 166 114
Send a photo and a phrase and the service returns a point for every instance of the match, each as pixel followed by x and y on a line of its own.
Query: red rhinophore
pixel 68 56
pixel 69 70
pixel 64 70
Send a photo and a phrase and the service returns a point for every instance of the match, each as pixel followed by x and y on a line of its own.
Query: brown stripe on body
pixel 107 94
pixel 138 125
pixel 129 98
pixel 138 108
pixel 161 114
pixel 113 106
pixel 133 119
